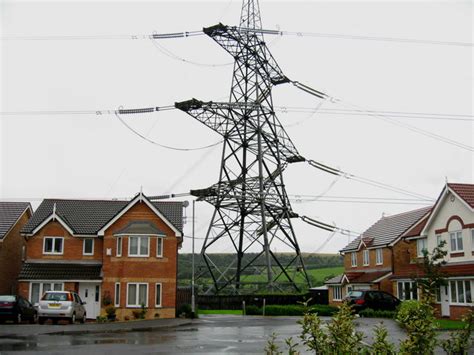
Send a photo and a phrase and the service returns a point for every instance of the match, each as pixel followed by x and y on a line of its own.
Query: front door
pixel 90 293
pixel 445 301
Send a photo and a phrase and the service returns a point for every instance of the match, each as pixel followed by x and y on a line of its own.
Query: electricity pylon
pixel 251 204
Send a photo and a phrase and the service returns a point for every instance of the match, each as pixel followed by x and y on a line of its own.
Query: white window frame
pixel 456 291
pixel 84 246
pixel 139 244
pixel 118 247
pixel 401 293
pixel 439 239
pixel 159 247
pixel 137 294
pixel 378 256
pixel 41 288
pixel 161 294
pixel 337 293
pixel 354 259
pixel 456 241
pixel 54 242
pixel 420 248
pixel 472 239
pixel 365 257
pixel 117 294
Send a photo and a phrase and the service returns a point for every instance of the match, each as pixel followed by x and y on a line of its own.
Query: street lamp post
pixel 193 302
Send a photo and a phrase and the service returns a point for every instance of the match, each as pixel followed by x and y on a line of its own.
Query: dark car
pixel 17 309
pixel 372 299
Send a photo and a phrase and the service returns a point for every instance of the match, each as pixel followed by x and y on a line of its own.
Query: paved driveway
pixel 211 334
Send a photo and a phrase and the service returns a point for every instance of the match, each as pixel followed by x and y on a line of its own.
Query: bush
pixel 185 310
pixel 417 318
pixel 284 310
pixel 372 313
pixel 323 310
pixel 252 310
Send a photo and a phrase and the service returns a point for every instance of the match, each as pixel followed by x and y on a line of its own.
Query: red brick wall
pixel 149 270
pixel 72 247
pixel 387 260
pixel 11 256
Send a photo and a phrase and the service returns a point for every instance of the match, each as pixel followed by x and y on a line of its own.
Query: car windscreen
pixel 354 294
pixel 7 298
pixel 55 297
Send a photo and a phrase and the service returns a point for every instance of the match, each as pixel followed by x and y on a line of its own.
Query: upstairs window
pixel 379 256
pixel 139 246
pixel 472 239
pixel 118 251
pixel 53 245
pixel 366 258
pixel 354 259
pixel 456 241
pixel 421 245
pixel 88 247
pixel 159 247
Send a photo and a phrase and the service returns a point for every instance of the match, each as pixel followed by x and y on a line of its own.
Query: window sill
pixel 135 307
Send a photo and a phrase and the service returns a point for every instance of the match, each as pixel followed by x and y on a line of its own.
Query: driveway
pixel 210 334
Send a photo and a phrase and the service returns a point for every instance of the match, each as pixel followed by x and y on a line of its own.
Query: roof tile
pixel 10 212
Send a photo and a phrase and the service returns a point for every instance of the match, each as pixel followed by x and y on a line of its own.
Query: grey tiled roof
pixel 60 271
pixel 387 229
pixel 89 216
pixel 140 227
pixel 9 214
pixel 335 280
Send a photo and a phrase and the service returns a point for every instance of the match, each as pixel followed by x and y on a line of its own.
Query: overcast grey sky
pixel 95 156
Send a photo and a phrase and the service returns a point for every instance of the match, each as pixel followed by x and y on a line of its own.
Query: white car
pixel 56 305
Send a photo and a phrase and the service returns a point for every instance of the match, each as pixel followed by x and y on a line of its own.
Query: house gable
pixel 141 199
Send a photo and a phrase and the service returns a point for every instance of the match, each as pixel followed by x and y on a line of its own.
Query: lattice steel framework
pixel 251 204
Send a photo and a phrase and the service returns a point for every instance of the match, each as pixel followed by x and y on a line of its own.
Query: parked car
pixel 372 299
pixel 57 305
pixel 17 309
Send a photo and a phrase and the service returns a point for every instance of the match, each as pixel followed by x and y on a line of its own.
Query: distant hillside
pixel 331 263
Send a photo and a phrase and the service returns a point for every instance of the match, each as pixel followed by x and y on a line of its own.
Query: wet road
pixel 210 334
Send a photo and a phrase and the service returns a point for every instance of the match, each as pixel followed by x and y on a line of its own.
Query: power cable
pixel 328 227
pixel 119 111
pixel 435 136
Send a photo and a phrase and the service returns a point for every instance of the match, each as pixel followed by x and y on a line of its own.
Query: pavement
pixel 27 330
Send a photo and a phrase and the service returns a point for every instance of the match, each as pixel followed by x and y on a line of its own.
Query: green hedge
pixel 371 313
pixel 290 310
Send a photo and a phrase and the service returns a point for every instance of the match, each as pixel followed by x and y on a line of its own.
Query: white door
pixel 90 293
pixel 445 301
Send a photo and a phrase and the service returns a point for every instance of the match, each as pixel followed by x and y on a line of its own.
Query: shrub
pixel 252 310
pixel 323 309
pixel 461 341
pixel 185 310
pixel 284 310
pixel 417 318
pixel 372 313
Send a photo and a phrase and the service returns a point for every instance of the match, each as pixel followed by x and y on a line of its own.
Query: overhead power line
pixel 186 34
pixel 324 96
pixel 122 111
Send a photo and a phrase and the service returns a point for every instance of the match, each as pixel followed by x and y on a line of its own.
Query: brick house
pixel 13 216
pixel 451 221
pixel 124 252
pixel 369 259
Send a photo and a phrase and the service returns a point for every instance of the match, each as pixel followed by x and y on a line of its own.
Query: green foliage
pixel 185 310
pixel 284 310
pixel 377 313
pixel 252 310
pixel 417 318
pixel 291 310
pixel 292 347
pixel 312 334
pixel 342 336
pixel 271 348
pixel 101 319
pixel 433 277
pixel 110 310
pixel 381 345
pixel 461 341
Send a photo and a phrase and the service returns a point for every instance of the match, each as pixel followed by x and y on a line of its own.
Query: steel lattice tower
pixel 251 204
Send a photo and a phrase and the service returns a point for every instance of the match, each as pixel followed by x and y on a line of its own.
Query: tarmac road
pixel 210 334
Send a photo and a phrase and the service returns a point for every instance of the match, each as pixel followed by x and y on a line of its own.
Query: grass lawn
pixel 221 311
pixel 448 324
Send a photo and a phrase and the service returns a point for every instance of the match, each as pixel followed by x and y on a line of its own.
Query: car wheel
pixel 18 318
pixel 73 318
pixel 55 321
pixel 41 320
pixel 83 320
